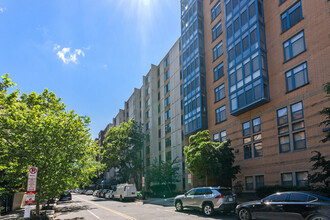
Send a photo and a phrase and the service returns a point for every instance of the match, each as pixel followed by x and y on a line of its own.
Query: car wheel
pixel 318 217
pixel 208 209
pixel 178 206
pixel 244 214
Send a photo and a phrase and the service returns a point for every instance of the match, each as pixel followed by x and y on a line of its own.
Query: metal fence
pixel 6 203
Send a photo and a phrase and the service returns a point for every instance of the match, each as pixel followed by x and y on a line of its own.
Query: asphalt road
pixel 93 208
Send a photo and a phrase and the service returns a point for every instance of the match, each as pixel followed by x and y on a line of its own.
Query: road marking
pixel 93 214
pixel 111 210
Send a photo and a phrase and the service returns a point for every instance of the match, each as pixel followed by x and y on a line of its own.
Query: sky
pixel 90 53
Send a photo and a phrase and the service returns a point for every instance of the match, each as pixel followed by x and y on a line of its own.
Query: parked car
pixel 207 199
pixel 66 196
pixel 89 192
pixel 287 205
pixel 103 192
pixel 108 195
pixel 125 192
pixel 95 192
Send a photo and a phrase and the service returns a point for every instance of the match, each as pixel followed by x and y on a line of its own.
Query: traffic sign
pixel 32 184
pixel 33 172
pixel 30 197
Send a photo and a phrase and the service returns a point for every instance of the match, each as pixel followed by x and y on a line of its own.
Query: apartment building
pixel 157 106
pixel 261 66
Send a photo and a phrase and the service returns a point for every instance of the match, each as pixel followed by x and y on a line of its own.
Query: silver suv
pixel 207 199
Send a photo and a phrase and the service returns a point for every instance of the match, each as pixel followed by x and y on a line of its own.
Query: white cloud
pixel 3 10
pixel 66 56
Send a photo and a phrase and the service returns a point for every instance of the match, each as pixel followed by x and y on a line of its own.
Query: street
pixel 89 207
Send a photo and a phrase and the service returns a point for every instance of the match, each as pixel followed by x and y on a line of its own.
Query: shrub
pixel 162 189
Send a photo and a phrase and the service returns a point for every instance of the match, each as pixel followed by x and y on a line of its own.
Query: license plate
pixel 230 199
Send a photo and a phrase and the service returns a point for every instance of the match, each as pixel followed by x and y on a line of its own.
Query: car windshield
pixel 278 197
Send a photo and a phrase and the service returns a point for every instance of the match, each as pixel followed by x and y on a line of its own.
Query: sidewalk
pixel 19 214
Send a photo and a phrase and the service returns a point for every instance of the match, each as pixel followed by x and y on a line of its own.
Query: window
pixel 258 150
pixel 302 178
pixel 248 183
pixel 281 1
pixel 220 93
pixel 218 72
pixel 167 115
pixel 297 111
pixel 299 140
pixel 148 114
pixel 229 31
pixel 252 10
pixel 147 102
pixel 168 156
pixel 247 151
pixel 292 16
pixel 220 114
pixel 215 11
pixel 166 88
pixel 166 75
pixel 223 136
pixel 296 77
pixel 294 46
pixel 217 51
pixel 287 179
pixel 244 18
pixel 297 128
pixel 238 50
pixel 245 43
pixel 246 128
pixel 167 128
pixel 259 181
pixel 168 142
pixel 231 55
pixel 166 61
pixel 216 137
pixel 284 143
pixel 228 8
pixel 216 30
pixel 148 126
pixel 167 101
pixel 256 125
pixel 282 116
pixel 236 25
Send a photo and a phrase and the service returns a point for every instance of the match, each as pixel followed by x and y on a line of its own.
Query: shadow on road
pixel 216 215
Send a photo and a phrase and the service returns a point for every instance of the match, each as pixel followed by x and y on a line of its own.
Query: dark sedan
pixel 66 196
pixel 287 205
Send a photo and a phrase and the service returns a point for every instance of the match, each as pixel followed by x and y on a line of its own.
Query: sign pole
pixel 31 190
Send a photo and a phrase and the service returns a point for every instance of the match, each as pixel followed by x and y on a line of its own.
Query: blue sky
pixel 91 53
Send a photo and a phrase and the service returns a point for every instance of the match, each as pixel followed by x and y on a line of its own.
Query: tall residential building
pixel 265 65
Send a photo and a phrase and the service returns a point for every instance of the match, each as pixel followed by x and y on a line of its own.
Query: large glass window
pixel 287 179
pixel 247 151
pixel 292 16
pixel 220 93
pixel 284 143
pixel 220 114
pixel 302 178
pixel 259 181
pixel 217 51
pixel 296 77
pixel 252 10
pixel 223 136
pixel 216 30
pixel 282 116
pixel 294 46
pixel 246 128
pixel 297 111
pixel 248 183
pixel 215 11
pixel 218 72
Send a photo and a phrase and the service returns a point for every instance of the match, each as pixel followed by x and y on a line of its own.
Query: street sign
pixel 27 211
pixel 31 186
pixel 30 197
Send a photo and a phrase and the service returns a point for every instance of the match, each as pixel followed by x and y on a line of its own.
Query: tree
pixel 37 130
pixel 206 158
pixel 122 149
pixel 164 173
pixel 320 163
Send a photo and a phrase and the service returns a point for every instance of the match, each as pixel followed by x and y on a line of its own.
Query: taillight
pixel 219 196
pixel 125 188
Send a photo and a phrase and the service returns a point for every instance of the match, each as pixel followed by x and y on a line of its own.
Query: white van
pixel 124 192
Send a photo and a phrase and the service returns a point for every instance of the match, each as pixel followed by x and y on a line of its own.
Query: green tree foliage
pixel 164 173
pixel 122 149
pixel 206 158
pixel 326 113
pixel 323 165
pixel 37 130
